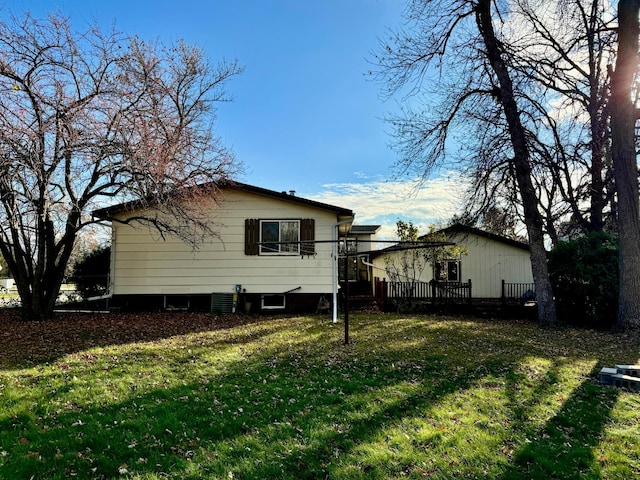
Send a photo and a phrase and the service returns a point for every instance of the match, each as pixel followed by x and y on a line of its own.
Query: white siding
pixel 144 263
pixel 487 263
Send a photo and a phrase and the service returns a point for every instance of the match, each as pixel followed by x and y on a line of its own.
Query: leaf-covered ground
pixel 30 343
pixel 190 396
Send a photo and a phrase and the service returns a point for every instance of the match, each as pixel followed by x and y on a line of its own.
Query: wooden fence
pixel 518 292
pixel 406 290
pixel 391 294
pixel 451 292
pixel 420 292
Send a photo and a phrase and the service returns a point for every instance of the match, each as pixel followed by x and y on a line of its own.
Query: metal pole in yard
pixel 346 297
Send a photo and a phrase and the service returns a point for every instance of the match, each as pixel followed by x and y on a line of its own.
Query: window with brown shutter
pixel 307 234
pixel 251 236
pixel 259 234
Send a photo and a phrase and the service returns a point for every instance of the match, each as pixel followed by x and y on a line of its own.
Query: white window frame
pixel 295 248
pixel 273 306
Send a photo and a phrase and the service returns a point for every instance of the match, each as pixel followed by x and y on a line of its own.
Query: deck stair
pixel 624 376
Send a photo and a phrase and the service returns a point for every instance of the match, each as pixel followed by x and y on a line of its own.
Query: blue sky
pixel 305 116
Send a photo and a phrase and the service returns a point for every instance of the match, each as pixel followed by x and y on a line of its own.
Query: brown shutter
pixel 251 236
pixel 307 234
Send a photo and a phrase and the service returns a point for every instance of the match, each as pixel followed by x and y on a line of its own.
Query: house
pixel 490 260
pixel 356 250
pixel 249 267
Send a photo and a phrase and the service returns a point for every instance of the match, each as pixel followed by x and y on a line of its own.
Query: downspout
pixel 368 264
pixel 334 253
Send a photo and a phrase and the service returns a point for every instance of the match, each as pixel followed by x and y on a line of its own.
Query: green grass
pixel 183 397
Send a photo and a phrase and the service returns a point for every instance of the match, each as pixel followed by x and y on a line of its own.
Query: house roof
pixel 465 229
pixel 107 212
pixel 364 229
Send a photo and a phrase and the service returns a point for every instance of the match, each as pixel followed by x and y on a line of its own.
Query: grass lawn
pixel 186 396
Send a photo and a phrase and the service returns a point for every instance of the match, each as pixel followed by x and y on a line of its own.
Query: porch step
pixel 623 376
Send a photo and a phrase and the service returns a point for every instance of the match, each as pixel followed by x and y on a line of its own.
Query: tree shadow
pixel 27 344
pixel 291 412
pixel 252 418
pixel 564 447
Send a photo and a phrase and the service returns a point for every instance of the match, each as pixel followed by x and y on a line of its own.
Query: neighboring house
pixel 247 268
pixel 490 259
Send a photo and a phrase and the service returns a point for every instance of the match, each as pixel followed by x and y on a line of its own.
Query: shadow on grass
pixel 27 344
pixel 564 447
pixel 285 410
pixel 276 414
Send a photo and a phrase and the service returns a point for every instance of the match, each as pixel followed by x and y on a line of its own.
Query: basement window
pixel 273 302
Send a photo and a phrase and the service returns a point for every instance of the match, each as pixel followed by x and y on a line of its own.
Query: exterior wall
pixel 487 263
pixel 380 266
pixel 145 264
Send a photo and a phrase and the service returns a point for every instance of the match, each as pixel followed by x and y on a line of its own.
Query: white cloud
pixel 380 202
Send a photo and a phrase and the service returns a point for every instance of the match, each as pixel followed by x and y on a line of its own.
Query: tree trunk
pixel 38 295
pixel 39 304
pixel 623 120
pixel 39 282
pixel 521 164
pixel 597 120
pixel 597 195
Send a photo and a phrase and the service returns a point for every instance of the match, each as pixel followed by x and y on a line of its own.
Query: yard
pixel 190 396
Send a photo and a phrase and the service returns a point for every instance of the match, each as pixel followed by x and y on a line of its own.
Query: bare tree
pixel 557 54
pixel 623 122
pixel 87 119
pixel 406 265
pixel 565 47
pixel 521 162
pixel 458 37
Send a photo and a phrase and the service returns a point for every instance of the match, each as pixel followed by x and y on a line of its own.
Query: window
pixel 347 246
pixel 453 271
pixel 273 302
pixel 352 268
pixel 270 237
pixel 448 271
pixel 279 232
